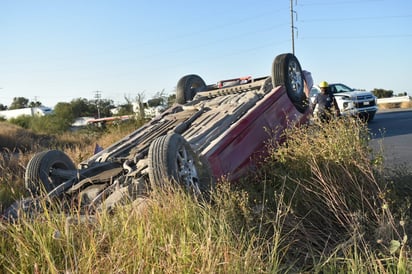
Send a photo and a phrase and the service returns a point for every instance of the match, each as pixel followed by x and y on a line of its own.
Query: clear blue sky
pixel 56 51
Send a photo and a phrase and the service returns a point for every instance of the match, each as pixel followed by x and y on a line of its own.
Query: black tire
pixel 369 117
pixel 286 71
pixel 39 175
pixel 187 87
pixel 172 159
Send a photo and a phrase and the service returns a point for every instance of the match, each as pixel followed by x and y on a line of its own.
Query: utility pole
pixel 292 26
pixel 97 96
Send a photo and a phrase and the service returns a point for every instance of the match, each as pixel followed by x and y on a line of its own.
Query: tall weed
pixel 336 189
pixel 319 203
pixel 170 233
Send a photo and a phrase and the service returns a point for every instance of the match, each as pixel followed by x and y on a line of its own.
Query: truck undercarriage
pixel 186 144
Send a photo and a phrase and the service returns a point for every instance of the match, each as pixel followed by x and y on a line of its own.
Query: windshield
pixel 313 92
pixel 337 88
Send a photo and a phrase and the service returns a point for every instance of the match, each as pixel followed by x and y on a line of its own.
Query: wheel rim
pixel 187 171
pixel 295 77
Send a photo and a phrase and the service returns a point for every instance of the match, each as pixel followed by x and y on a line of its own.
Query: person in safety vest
pixel 326 102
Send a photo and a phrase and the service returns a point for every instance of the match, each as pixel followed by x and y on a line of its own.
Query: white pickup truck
pixel 351 102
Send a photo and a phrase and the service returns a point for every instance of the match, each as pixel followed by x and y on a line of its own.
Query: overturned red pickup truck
pixel 211 131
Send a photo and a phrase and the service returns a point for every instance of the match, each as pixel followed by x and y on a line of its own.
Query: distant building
pixel 149 111
pixel 151 108
pixel 36 111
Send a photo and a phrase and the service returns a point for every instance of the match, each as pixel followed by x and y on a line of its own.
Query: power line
pixel 334 3
pixel 358 37
pixel 354 18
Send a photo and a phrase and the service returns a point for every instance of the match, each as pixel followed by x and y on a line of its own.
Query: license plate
pixel 366 103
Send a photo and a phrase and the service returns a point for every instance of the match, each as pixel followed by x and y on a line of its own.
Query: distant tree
pixel 64 113
pixel 49 124
pixel 382 93
pixel 125 109
pixel 34 104
pixel 101 107
pixel 105 106
pixel 155 102
pixel 82 107
pixel 19 102
pixel 3 107
pixel 139 100
pixel 171 99
pixel 402 94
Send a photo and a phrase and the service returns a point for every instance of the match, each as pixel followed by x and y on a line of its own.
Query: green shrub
pixel 23 121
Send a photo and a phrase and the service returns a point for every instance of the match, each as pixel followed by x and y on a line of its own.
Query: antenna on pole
pixel 292 26
pixel 97 96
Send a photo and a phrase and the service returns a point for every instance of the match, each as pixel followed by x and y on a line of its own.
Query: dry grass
pixel 337 194
pixel 77 145
pixel 319 203
pixel 172 234
pixel 406 104
pixel 403 105
pixel 16 138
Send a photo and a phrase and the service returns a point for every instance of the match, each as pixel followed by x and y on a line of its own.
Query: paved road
pixel 393 129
